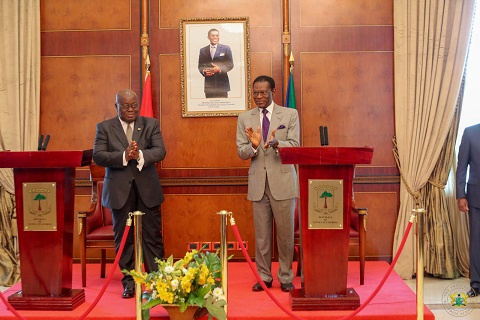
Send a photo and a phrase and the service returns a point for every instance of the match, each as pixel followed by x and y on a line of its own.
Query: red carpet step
pixel 394 301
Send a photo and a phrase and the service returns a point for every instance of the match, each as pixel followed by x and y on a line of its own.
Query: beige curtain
pixel 440 248
pixel 430 42
pixel 19 109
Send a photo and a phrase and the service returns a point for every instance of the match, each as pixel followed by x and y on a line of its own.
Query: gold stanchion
pixel 420 262
pixel 137 223
pixel 224 253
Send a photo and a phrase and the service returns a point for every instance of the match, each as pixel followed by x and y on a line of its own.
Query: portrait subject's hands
pixel 254 137
pixel 463 204
pixel 208 72
pixel 215 69
pixel 132 151
pixel 272 142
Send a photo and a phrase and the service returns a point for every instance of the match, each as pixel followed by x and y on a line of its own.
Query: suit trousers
pixel 152 241
pixel 474 220
pixel 282 211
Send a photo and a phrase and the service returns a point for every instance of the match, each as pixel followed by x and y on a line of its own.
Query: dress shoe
pixel 258 287
pixel 286 286
pixel 128 293
pixel 473 292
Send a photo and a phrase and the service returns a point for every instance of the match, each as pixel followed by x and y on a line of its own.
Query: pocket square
pixel 281 127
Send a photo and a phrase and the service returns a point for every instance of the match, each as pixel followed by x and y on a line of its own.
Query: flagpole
pixel 286 45
pixel 145 40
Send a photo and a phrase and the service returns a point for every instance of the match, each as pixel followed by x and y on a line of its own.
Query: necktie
pixel 129 133
pixel 265 125
pixel 212 51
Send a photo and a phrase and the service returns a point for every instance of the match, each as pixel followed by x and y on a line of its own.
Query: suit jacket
pixel 469 155
pixel 110 143
pixel 282 178
pixel 223 58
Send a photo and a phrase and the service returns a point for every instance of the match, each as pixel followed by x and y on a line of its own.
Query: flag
pixel 146 109
pixel 291 101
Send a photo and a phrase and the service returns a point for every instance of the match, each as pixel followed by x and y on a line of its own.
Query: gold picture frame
pixel 215 82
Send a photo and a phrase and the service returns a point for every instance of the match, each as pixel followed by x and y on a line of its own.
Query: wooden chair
pixel 358 234
pixel 95 225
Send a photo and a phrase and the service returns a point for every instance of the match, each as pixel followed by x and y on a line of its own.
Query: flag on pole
pixel 290 101
pixel 146 109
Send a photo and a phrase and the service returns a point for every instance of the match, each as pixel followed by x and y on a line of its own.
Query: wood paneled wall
pixel 343 77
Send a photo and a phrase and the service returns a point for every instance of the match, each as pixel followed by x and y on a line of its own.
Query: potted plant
pixel 194 280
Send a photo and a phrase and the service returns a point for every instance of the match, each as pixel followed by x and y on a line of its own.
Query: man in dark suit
pixel 129 146
pixel 469 199
pixel 272 186
pixel 214 61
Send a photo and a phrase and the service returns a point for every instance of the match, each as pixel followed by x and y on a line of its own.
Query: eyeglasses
pixel 127 106
pixel 261 93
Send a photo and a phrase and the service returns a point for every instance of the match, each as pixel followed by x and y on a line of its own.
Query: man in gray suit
pixel 129 146
pixel 272 186
pixel 469 201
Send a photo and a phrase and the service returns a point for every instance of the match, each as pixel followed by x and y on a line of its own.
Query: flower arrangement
pixel 193 280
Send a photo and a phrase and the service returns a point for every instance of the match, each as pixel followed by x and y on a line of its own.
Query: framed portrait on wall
pixel 215 66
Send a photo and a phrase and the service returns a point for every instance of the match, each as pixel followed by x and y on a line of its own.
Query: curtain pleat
pixel 430 45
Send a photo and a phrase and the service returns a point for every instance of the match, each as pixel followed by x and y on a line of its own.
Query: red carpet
pixel 394 301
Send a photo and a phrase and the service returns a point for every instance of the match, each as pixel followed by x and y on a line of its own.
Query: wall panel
pixel 192 218
pixel 77 98
pixel 352 94
pixel 85 15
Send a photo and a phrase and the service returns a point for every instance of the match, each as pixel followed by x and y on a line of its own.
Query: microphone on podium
pixel 42 146
pixel 323 135
pixel 40 142
pixel 326 135
pixel 47 139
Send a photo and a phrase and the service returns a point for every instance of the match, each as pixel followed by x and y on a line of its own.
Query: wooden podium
pixel 325 177
pixel 44 196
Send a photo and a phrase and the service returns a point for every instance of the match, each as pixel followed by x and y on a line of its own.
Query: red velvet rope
pixel 110 275
pixel 102 291
pixel 287 311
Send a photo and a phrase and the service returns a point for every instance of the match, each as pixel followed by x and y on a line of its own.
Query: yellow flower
pixel 204 272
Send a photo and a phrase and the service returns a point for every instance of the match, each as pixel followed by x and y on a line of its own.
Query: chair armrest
pixel 83 215
pixel 362 217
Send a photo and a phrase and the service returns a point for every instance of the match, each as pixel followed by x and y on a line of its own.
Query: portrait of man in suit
pixel 129 146
pixel 272 186
pixel 214 63
pixel 468 198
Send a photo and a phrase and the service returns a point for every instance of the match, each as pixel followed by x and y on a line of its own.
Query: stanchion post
pixel 137 222
pixel 420 212
pixel 224 253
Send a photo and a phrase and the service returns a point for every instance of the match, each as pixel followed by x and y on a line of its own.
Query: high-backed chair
pixel 95 225
pixel 358 233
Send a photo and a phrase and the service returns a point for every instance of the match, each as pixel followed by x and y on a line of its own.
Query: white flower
pixel 184 270
pixel 169 269
pixel 217 292
pixel 174 284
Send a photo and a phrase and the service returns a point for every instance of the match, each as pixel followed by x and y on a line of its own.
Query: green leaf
pixel 151 303
pixel 201 292
pixel 146 314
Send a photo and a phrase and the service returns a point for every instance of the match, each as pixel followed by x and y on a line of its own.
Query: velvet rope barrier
pixel 289 312
pixel 102 290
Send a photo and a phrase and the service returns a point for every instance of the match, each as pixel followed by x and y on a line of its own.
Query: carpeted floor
pixel 394 301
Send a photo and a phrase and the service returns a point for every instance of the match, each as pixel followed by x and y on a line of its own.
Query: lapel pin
pixel 139 129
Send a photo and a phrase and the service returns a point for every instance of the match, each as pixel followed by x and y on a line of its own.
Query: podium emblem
pixel 325 204
pixel 39 206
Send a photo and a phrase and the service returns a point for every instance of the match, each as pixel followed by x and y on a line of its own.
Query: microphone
pixel 325 134
pixel 47 139
pixel 40 142
pixel 322 137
